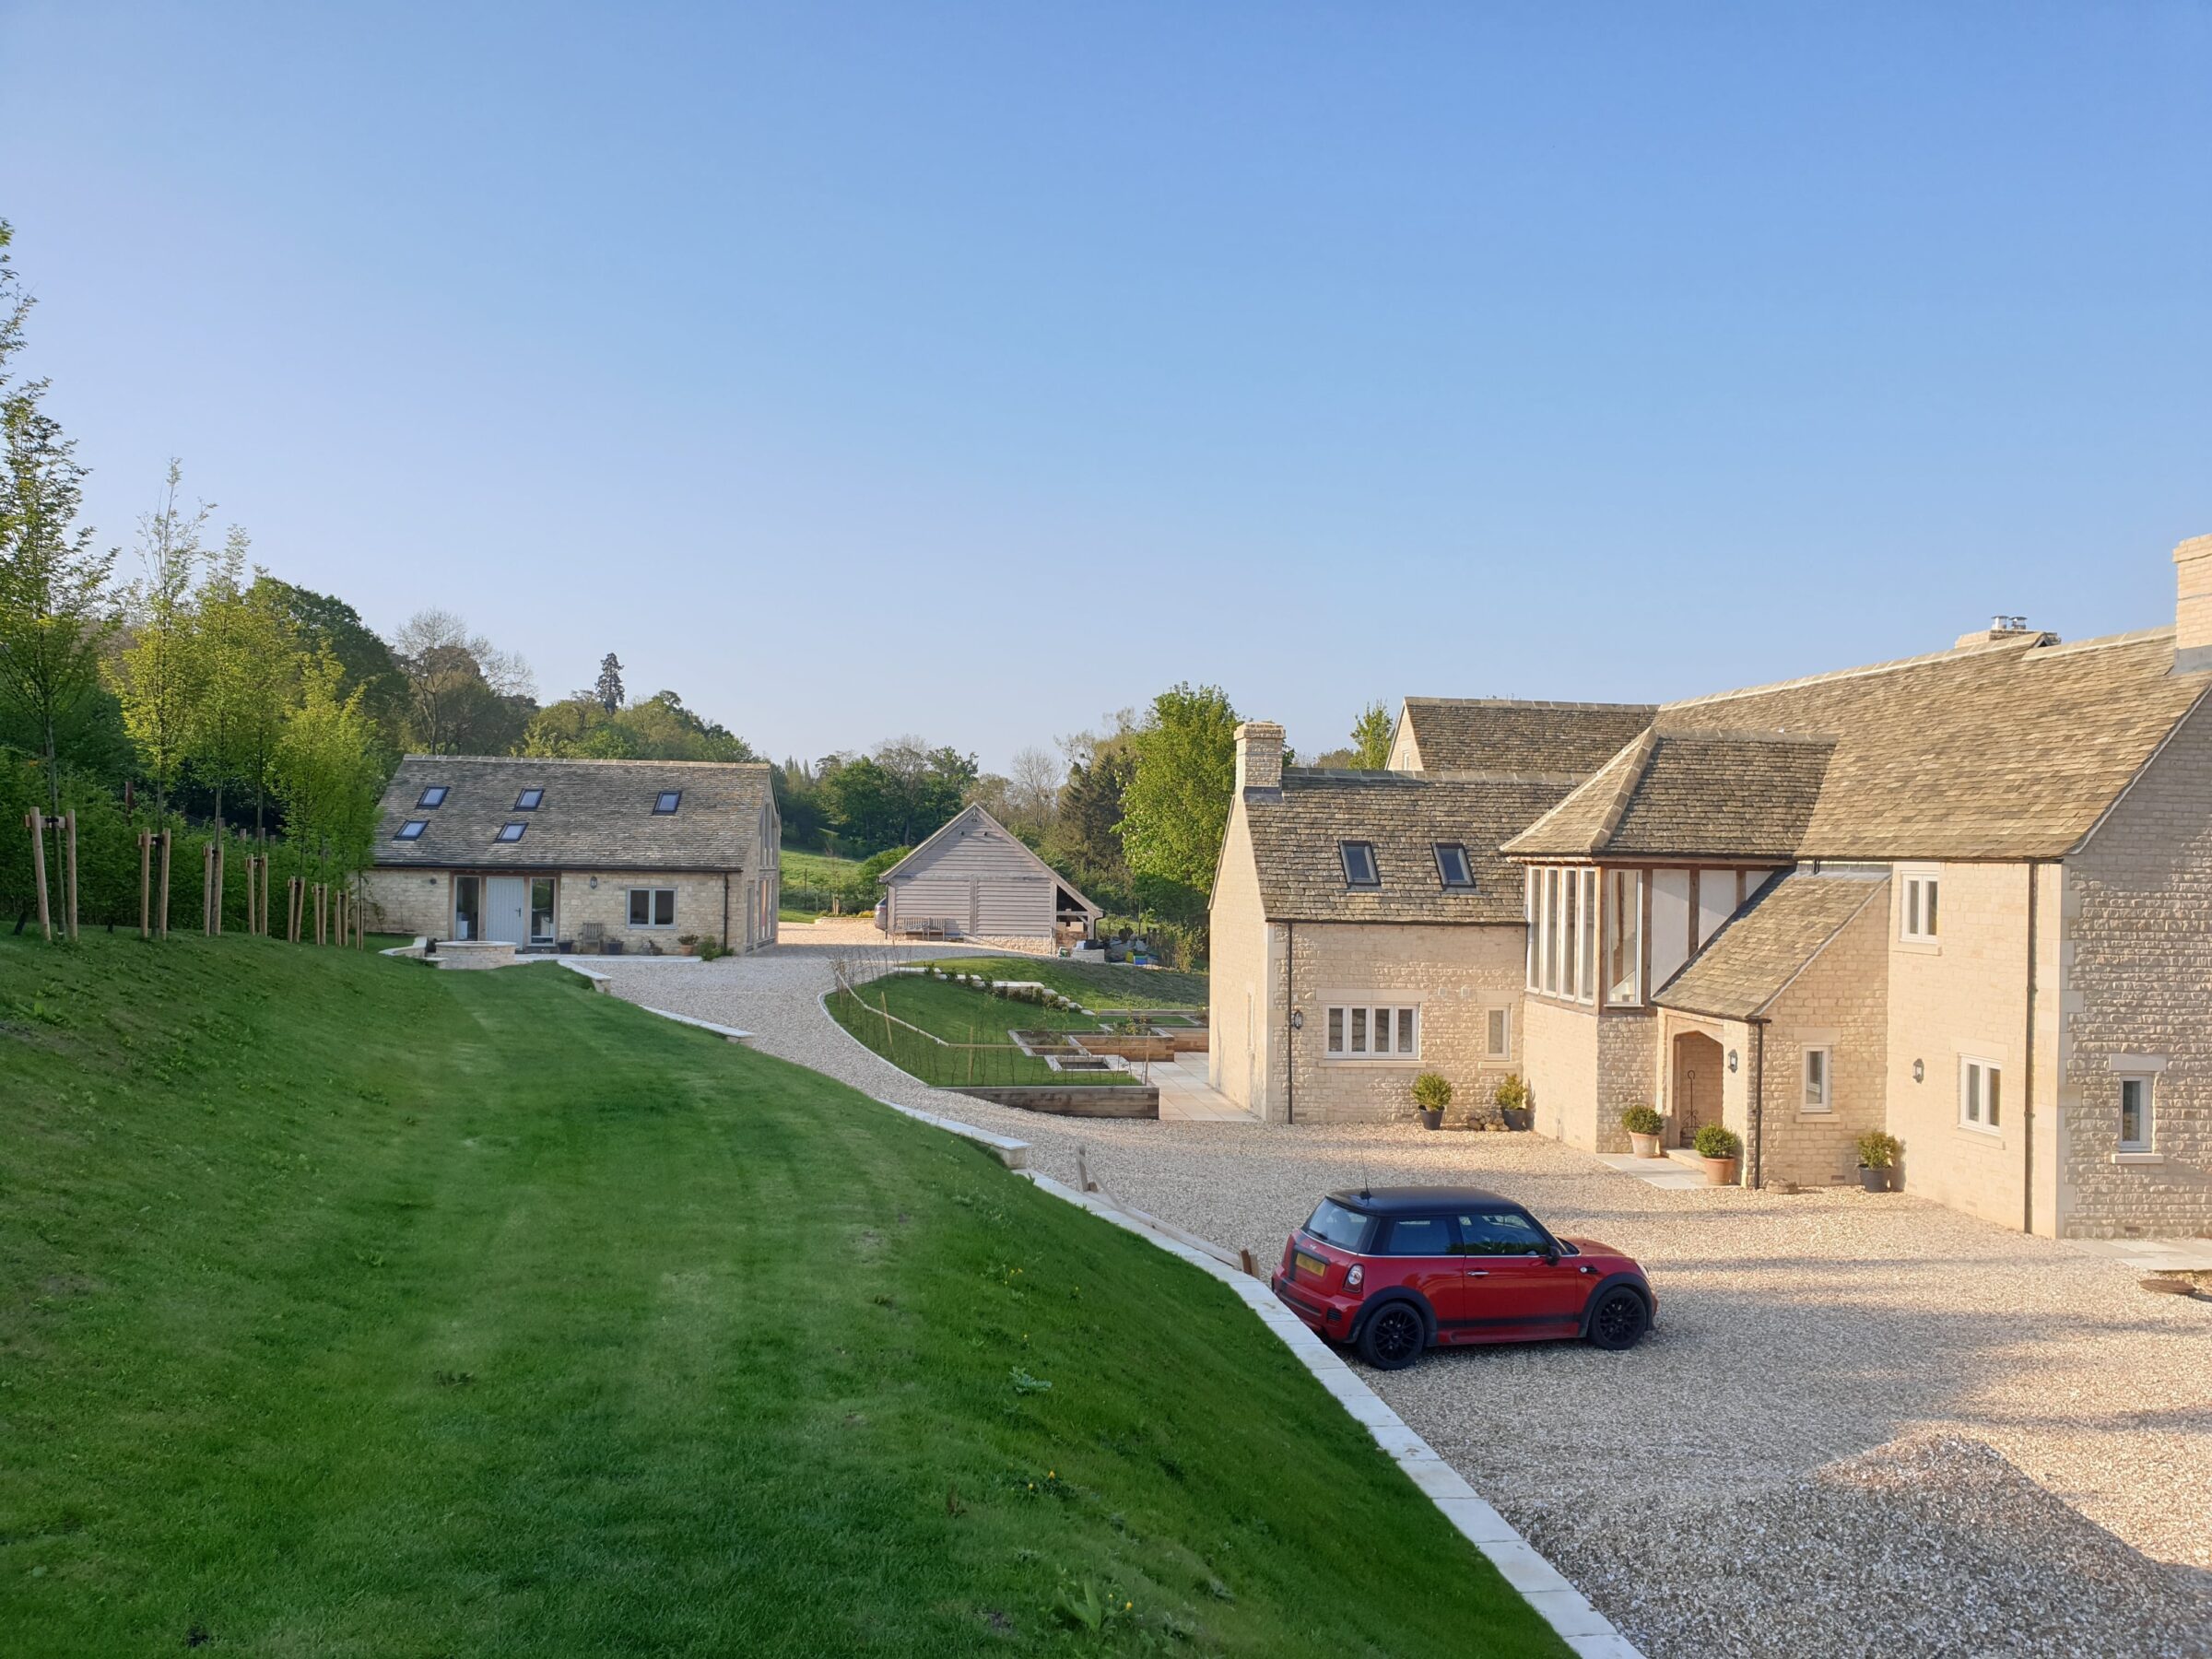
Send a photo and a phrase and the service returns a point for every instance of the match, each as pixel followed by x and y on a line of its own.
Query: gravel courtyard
pixel 1864 1424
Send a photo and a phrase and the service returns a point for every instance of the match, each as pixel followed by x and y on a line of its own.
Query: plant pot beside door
pixel 1431 1094
pixel 1723 1151
pixel 1511 1098
pixel 1644 1125
pixel 1878 1153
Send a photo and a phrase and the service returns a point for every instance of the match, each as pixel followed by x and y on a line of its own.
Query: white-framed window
pixel 1917 905
pixel 1819 1076
pixel 1359 869
pixel 1497 1034
pixel 2138 1127
pixel 1531 904
pixel 1980 1094
pixel 1589 969
pixel 653 907
pixel 1551 932
pixel 1365 1031
pixel 1624 937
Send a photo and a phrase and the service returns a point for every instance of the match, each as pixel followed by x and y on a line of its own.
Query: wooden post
pixel 162 920
pixel 69 830
pixel 36 823
pixel 291 909
pixel 215 908
pixel 251 860
pixel 321 898
pixel 145 884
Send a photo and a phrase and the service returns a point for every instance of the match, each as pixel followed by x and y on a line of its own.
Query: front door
pixel 1696 1097
pixel 507 908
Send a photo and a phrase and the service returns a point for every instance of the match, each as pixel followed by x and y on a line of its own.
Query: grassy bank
pixel 972 1025
pixel 1094 984
pixel 807 879
pixel 348 1307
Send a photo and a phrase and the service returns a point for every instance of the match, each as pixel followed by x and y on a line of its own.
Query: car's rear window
pixel 1346 1229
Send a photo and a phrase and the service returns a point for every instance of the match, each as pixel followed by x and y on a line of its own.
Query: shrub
pixel 1642 1119
pixel 1433 1091
pixel 711 949
pixel 1879 1150
pixel 1511 1093
pixel 1716 1142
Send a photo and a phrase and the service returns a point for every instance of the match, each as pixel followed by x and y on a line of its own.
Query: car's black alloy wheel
pixel 1394 1336
pixel 1619 1320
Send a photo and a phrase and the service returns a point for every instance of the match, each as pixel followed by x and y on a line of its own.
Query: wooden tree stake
pixel 163 919
pixel 145 884
pixel 70 832
pixel 36 823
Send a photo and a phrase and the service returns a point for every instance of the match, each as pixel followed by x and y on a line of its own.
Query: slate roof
pixel 1500 734
pixel 2011 749
pixel 1294 843
pixel 595 814
pixel 1749 962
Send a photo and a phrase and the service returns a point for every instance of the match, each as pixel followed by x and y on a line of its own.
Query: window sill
pixel 1815 1111
pixel 1921 947
pixel 1370 1059
pixel 1983 1130
pixel 2138 1158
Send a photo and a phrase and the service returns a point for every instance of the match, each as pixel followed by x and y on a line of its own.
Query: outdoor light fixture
pixel 1298 1020
pixel 1920 1071
pixel 1731 1059
pixel 594 884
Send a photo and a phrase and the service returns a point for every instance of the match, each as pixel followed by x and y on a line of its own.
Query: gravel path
pixel 1799 1337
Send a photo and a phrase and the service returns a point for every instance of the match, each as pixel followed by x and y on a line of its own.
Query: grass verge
pixel 354 1308
pixel 1094 984
pixel 975 1023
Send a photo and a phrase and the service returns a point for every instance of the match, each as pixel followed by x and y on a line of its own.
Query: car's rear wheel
pixel 1393 1336
pixel 1619 1319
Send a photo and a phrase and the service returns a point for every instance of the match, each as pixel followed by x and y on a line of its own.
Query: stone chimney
pixel 1260 759
pixel 2193 605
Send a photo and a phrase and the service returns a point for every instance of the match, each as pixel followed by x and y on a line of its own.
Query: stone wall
pixel 399 901
pixel 1560 1059
pixel 2139 965
pixel 1841 1001
pixel 698 908
pixel 1243 1007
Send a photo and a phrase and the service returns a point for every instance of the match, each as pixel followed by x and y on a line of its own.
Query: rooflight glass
pixel 667 801
pixel 529 800
pixel 412 830
pixel 512 832
pixel 1451 865
pixel 432 799
pixel 1359 863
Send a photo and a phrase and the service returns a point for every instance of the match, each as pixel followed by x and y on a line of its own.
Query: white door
pixel 507 908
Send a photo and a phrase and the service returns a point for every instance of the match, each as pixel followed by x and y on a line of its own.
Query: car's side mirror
pixel 1551 1255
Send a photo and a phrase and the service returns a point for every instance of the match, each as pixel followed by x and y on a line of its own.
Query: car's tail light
pixel 1354 1276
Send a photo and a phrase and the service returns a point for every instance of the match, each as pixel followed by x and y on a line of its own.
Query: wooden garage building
pixel 974 879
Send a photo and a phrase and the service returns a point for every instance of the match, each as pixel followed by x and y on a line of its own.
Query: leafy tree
pixel 659 728
pixel 1175 804
pixel 229 673
pixel 1087 832
pixel 268 658
pixel 896 795
pixel 1370 738
pixel 465 695
pixel 610 689
pixel 326 773
pixel 799 803
pixel 160 672
pixel 319 622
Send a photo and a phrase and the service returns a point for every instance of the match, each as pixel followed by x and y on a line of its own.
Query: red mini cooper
pixel 1394 1270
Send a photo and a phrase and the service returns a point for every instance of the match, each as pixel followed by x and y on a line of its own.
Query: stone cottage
pixel 1965 897
pixel 546 854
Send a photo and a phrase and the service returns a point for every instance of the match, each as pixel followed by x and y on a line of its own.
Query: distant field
pixel 807 879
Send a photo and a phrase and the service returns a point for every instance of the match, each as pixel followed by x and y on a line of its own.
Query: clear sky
pixel 971 370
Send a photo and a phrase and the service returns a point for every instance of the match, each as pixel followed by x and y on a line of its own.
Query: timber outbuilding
pixel 975 879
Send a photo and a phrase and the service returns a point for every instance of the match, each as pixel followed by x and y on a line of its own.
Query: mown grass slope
pixel 348 1307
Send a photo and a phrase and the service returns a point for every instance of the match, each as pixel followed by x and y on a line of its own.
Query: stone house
pixel 544 854
pixel 1964 896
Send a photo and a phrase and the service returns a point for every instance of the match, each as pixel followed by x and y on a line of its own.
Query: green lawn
pixel 805 878
pixel 1094 984
pixel 352 1307
pixel 976 1020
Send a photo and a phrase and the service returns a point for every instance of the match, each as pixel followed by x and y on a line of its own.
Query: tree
pixel 229 672
pixel 465 695
pixel 159 674
pixel 268 658
pixel 659 728
pixel 610 689
pixel 1370 738
pixel 319 622
pixel 1175 804
pixel 55 610
pixel 895 796
pixel 326 773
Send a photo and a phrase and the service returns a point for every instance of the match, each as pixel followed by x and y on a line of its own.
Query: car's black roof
pixel 1397 1200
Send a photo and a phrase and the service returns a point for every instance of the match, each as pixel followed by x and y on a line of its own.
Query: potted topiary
pixel 1512 1100
pixel 1644 1124
pixel 1878 1153
pixel 1721 1148
pixel 1431 1094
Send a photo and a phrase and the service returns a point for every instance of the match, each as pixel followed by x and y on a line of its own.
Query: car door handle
pixel 1479 1273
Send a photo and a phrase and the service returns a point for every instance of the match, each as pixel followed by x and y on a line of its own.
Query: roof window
pixel 1359 863
pixel 1453 867
pixel 667 801
pixel 511 831
pixel 432 799
pixel 529 800
pixel 412 830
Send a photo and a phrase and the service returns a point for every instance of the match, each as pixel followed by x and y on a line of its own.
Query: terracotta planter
pixel 1645 1145
pixel 1874 1181
pixel 1432 1120
pixel 1720 1172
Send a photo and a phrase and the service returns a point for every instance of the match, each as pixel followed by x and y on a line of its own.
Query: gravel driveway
pixel 1852 1432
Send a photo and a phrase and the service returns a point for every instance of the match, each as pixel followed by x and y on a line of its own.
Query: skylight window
pixel 667 801
pixel 1452 867
pixel 1359 863
pixel 512 832
pixel 432 799
pixel 529 800
pixel 412 830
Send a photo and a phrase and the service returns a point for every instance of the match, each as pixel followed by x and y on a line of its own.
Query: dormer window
pixel 528 800
pixel 1359 863
pixel 511 832
pixel 666 802
pixel 412 830
pixel 1452 867
pixel 432 799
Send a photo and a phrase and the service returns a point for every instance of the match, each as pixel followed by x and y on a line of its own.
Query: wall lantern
pixel 1920 1071
pixel 1731 1059
pixel 1298 1020
pixel 594 884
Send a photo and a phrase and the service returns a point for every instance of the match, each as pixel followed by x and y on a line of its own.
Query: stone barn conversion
pixel 1965 898
pixel 974 879
pixel 635 855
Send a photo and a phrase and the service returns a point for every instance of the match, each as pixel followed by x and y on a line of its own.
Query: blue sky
pixel 972 369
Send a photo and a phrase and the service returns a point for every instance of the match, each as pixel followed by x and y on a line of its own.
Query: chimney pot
pixel 2193 605
pixel 1259 758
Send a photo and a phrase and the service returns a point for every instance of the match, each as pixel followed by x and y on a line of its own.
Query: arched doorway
pixel 1696 1093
